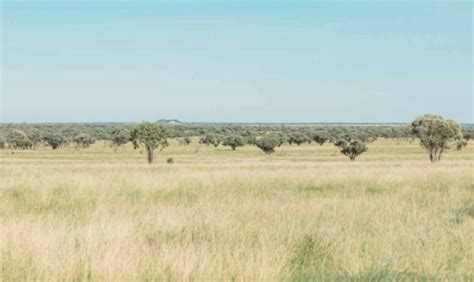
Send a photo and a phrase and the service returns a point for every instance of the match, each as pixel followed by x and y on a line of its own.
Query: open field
pixel 304 213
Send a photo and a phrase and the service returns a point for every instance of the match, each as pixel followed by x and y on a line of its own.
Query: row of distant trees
pixel 436 134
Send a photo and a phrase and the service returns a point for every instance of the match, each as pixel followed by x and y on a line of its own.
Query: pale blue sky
pixel 229 61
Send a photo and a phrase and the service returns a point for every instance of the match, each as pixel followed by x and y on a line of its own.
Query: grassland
pixel 304 213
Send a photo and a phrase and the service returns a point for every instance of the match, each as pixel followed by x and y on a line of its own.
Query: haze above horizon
pixel 244 62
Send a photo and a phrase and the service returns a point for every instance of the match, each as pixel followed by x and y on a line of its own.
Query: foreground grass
pixel 300 215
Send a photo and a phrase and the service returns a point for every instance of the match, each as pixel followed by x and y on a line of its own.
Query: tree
pixel 320 137
pixel 352 148
pixel 185 141
pixel 268 143
pixel 18 139
pixel 35 136
pixel 54 140
pixel 250 137
pixel 234 141
pixel 436 134
pixel 83 140
pixel 210 139
pixel 120 136
pixel 467 136
pixel 298 138
pixel 151 136
pixel 3 141
pixel 461 144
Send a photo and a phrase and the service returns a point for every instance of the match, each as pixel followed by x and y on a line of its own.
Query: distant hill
pixel 169 121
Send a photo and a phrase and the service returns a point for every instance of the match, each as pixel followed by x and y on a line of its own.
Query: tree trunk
pixel 150 156
pixel 439 155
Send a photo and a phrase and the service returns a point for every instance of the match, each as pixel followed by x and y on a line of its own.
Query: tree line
pixel 435 133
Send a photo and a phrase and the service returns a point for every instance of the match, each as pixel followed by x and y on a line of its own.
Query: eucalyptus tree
pixel 150 136
pixel 436 134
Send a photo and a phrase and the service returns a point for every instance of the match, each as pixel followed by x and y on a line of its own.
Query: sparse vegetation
pixel 302 215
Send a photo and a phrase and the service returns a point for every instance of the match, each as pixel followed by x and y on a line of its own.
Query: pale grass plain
pixel 304 213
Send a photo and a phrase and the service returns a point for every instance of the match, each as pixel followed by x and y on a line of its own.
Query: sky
pixel 235 61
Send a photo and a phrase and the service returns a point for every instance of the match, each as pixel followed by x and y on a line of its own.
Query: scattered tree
pixel 83 140
pixel 151 136
pixel 120 137
pixel 436 134
pixel 3 141
pixel 17 139
pixel 352 148
pixel 185 141
pixel 210 139
pixel 234 141
pixel 298 138
pixel 320 137
pixel 268 143
pixel 54 140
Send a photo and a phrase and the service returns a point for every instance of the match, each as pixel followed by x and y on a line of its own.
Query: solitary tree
pixel 234 141
pixel 436 134
pixel 268 143
pixel 55 140
pixel 352 148
pixel 151 136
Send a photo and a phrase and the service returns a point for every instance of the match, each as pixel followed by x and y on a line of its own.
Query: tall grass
pixel 216 215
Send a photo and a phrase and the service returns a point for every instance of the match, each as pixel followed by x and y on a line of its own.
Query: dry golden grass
pixel 305 213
